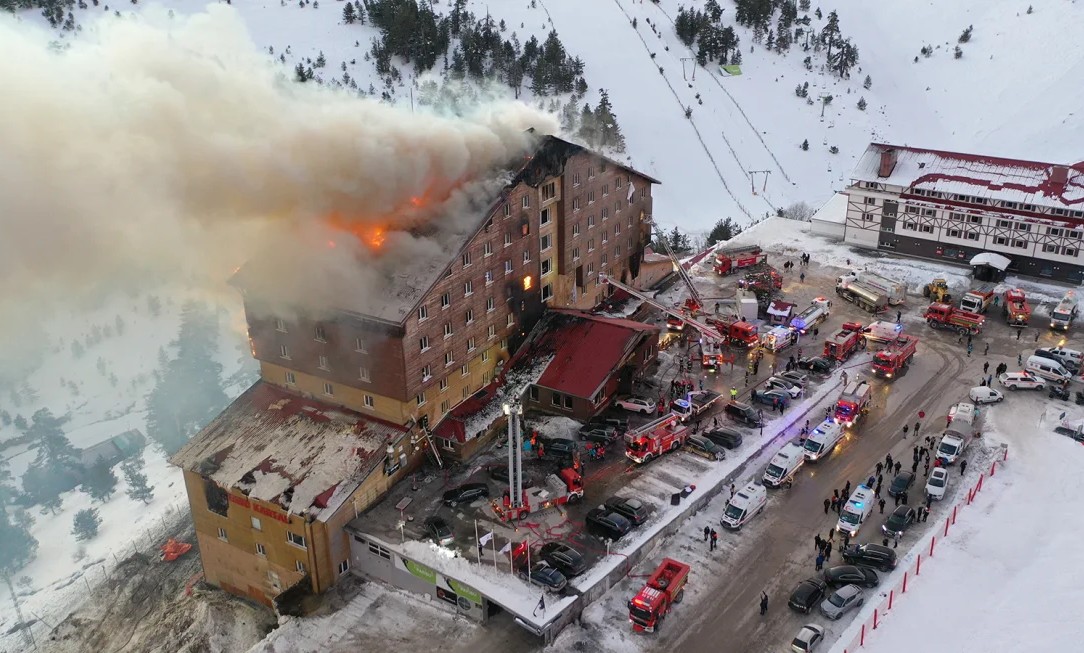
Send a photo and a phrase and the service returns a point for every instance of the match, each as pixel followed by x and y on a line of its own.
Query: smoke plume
pixel 163 147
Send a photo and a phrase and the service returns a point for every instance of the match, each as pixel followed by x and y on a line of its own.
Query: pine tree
pixel 588 126
pixel 299 74
pixel 724 230
pixel 320 60
pixel 349 15
pixel 17 545
pixel 609 132
pixel 805 145
pixel 100 482
pixel 966 35
pixel 958 52
pixel 86 523
pixel 830 35
pixel 803 5
pixel 868 83
pixel 861 104
pixel 138 488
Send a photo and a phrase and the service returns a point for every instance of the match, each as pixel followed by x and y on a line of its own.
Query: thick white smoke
pixel 163 146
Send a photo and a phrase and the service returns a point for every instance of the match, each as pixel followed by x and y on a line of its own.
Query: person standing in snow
pixel 881 503
pixel 763 603
pixel 963 467
pixel 827 505
pixel 897 467
pixel 820 561
pixel 707 533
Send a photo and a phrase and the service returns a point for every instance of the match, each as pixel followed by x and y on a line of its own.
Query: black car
pixel 903 482
pixel 465 493
pixel 439 530
pixel 898 521
pixel 546 576
pixel 598 433
pixel 816 365
pixel 850 575
pixel 808 595
pixel 607 524
pixel 870 555
pixel 634 510
pixel 558 447
pixel 619 424
pixel 499 473
pixel 564 558
pixel 724 437
pixel 744 414
pixel 770 397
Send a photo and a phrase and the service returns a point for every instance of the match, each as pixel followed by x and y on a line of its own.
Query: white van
pixel 783 465
pixel 1048 369
pixel 963 414
pixel 953 443
pixel 857 508
pixel 746 504
pixel 823 440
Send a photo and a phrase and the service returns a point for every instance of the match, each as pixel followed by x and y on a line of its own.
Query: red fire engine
pixel 891 360
pixel 664 589
pixel 945 316
pixel 737 332
pixel 853 403
pixel 842 344
pixel 728 261
pixel 1017 311
pixel 566 486
pixel 655 438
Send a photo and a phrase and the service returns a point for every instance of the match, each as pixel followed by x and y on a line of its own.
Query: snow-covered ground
pixel 1004 578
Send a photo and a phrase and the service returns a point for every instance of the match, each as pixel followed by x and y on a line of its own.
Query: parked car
pixel 724 437
pixel 850 575
pixel 807 594
pixel 634 510
pixel 637 404
pixel 465 493
pixel 546 576
pixel 807 639
pixel 903 482
pixel 937 483
pixel 786 385
pixel 1060 392
pixel 898 521
pixel 985 395
pixel 603 434
pixel 744 414
pixel 817 365
pixel 802 380
pixel 1021 381
pixel 619 424
pixel 607 524
pixel 558 447
pixel 704 447
pixel 841 601
pixel 439 530
pixel 499 473
pixel 870 555
pixel 566 559
pixel 770 397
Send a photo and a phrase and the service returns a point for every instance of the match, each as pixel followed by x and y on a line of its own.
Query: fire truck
pixel 818 312
pixel 844 343
pixel 891 360
pixel 762 282
pixel 566 486
pixel 732 259
pixel 945 316
pixel 1016 309
pixel 737 332
pixel 853 403
pixel 664 589
pixel 655 438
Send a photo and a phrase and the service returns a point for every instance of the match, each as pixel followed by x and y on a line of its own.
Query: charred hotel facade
pixel 346 406
pixel 953 206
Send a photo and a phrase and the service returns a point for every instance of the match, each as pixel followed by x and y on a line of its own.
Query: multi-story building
pixel 952 206
pixel 387 370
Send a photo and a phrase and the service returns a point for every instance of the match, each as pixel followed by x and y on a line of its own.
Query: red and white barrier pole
pixel 947 522
pixel 993 467
pixel 891 596
pixel 954 515
pixel 876 614
pixel 933 540
pixel 905 582
pixel 862 639
pixel 970 496
pixel 918 565
pixel 979 486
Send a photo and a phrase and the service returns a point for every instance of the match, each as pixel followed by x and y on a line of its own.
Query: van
pixel 953 444
pixel 1048 369
pixel 823 440
pixel 1070 359
pixel 743 506
pixel 859 506
pixel 963 415
pixel 744 414
pixel 784 465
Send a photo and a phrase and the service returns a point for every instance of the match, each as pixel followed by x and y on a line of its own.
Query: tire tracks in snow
pixel 749 122
pixel 692 123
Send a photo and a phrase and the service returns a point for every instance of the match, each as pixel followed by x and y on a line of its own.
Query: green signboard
pixel 465 592
pixel 421 571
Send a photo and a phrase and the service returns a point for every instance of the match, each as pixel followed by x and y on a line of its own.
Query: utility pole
pixel 825 99
pixel 683 60
pixel 24 628
pixel 752 180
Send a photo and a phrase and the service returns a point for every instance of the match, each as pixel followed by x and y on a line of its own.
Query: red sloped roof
pixel 587 350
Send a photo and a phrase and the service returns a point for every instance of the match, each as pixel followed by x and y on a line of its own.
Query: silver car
pixel 842 600
pixel 807 639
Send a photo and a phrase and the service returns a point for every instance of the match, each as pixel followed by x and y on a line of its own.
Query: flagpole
pixel 479 545
pixel 494 540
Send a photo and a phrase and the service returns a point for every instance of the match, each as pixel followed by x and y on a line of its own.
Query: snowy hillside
pixel 1011 93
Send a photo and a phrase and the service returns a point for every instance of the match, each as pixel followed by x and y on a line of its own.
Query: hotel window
pixel 974 219
pixel 487 249
pixel 1069 251
pixel 465 369
pixel 575 253
pixel 299 566
pixel 576 179
pixel 280 325
pixel 956 216
pixel 912 209
pixel 929 213
pixel 466 259
pixel 605 236
pixel 329 390
pixel 291 379
pixel 617 228
pixel 953 233
pixel 449 358
pixel 427 372
pixel 1052 231
pixel 222 535
pixel 590 222
pixel 547 266
pixel 369 401
pixel 605 213
pixel 1050 249
pixel 344 567
pixel 320 334
pixel 526 202
pixel 1019 244
pixel 1074 234
pixel 510 320
pixel 643 192
pixel 1001 240
pixel 547 292
pixel 926 229
pixel 867 217
pixel 485 378
pixel 423 313
pixel 323 364
pixel 284 352
pixel 1020 226
pixel 363 374
pixel 972 235
pixel 575 204
pixel 444 406
pixel 485 356
pixel 591 245
pixel 445 301
pixel 508 267
pixel 507 239
pixel 420 398
pixel 576 230
pixel 1004 223
pixel 544 218
pixel 471 344
pixel 443 384
pixel 468 317
pixel 448 330
pixel 423 343
pixel 359 346
pixel 590 172
pixel 468 288
pixel 871 201
pixel 491 305
pixel 507 210
pixel 547 242
pixel 260 550
pixel 549 191
pixel 527 256
pixel 491 332
pixel 590 197
pixel 605 190
pixel 295 539
pixel 489 277
pixel 504 343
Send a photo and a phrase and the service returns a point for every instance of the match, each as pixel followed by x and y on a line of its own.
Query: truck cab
pixel 853 403
pixel 664 589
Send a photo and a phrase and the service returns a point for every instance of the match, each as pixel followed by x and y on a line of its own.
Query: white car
pixel 938 481
pixel 786 385
pixel 1021 380
pixel 637 404
pixel 985 395
pixel 807 639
